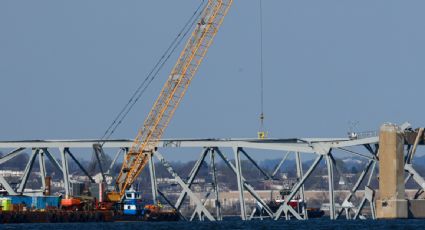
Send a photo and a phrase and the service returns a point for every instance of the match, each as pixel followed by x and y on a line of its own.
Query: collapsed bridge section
pixel 360 201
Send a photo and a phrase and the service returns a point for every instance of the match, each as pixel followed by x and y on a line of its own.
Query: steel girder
pixel 321 147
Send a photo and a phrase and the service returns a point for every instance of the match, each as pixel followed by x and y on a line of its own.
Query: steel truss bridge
pixel 323 149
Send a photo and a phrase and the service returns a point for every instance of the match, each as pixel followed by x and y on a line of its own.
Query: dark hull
pixel 160 216
pixel 80 216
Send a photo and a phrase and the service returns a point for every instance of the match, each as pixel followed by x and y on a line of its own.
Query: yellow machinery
pixel 172 93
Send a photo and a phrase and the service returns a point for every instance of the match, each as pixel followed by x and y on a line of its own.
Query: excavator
pixel 145 143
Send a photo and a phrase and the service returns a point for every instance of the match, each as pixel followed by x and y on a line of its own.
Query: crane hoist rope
pixel 141 89
pixel 143 86
pixel 262 134
pixel 172 93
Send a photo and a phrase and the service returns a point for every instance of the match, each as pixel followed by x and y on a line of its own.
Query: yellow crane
pixel 190 59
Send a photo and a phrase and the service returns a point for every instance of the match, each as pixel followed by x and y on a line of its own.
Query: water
pixel 233 224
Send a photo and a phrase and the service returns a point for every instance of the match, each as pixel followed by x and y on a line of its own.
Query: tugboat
pixel 133 204
pixel 135 209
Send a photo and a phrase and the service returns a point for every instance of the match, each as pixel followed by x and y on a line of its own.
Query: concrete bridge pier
pixel 391 203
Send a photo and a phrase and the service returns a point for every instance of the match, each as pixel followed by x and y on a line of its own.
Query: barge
pixel 58 216
pixel 50 209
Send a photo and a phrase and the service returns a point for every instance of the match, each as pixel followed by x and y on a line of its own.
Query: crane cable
pixel 152 74
pixel 261 132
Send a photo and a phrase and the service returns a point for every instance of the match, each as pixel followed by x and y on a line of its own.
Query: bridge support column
pixel 330 165
pixel 42 166
pixel 240 182
pixel 153 179
pixel 65 172
pixel 215 186
pixel 391 203
pixel 300 175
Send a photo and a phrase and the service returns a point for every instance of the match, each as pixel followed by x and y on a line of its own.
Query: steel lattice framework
pixel 324 149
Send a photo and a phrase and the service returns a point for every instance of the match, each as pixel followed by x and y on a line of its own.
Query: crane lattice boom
pixel 173 91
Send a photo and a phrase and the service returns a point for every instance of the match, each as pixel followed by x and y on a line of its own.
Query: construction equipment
pixel 171 95
pixel 81 203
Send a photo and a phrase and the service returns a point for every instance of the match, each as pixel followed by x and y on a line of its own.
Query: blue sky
pixel 67 67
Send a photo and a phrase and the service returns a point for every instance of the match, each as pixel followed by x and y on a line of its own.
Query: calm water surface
pixel 234 224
